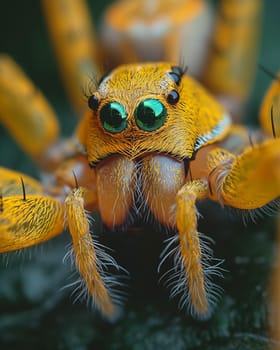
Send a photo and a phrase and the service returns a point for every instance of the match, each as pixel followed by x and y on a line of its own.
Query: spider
pixel 152 141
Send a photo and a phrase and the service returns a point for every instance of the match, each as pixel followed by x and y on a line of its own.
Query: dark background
pixel 35 311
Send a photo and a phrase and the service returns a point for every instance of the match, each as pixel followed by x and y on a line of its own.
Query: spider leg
pixel 25 112
pixel 88 258
pixel 190 245
pixel 172 201
pixel 10 183
pixel 72 34
pixel 247 181
pixel 270 109
pixel 231 65
pixel 27 216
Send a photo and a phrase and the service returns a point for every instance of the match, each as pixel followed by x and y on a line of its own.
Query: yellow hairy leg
pixel 72 35
pixel 190 247
pixel 84 251
pixel 10 183
pixel 237 180
pixel 27 217
pixel 29 220
pixel 233 52
pixel 270 108
pixel 24 110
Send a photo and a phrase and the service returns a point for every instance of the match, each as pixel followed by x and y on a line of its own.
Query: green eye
pixel 113 117
pixel 150 114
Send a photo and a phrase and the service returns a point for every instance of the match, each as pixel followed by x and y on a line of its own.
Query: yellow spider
pixel 151 143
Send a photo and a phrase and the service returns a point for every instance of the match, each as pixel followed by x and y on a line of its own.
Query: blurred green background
pixel 34 309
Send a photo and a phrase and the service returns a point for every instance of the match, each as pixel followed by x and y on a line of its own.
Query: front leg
pixel 193 277
pixel 165 189
pixel 250 180
pixel 93 263
pixel 89 259
pixel 27 216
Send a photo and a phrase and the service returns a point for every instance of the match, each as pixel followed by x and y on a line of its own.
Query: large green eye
pixel 113 117
pixel 150 114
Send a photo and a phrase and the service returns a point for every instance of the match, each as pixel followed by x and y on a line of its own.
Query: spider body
pixel 152 143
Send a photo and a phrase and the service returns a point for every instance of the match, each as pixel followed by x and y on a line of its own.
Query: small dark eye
pixel 150 114
pixel 172 97
pixel 93 102
pixel 113 117
pixel 175 77
pixel 178 70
